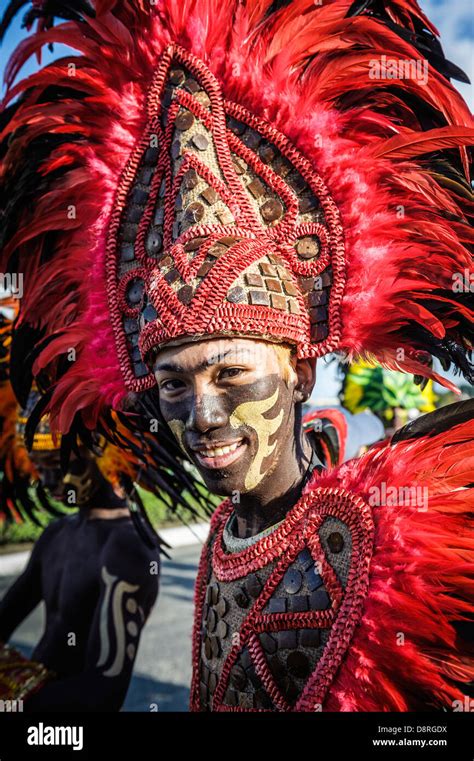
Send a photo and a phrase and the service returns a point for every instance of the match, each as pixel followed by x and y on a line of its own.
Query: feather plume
pixel 421 579
pixel 393 153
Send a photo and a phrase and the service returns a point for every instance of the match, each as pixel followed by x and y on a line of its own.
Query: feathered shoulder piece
pixel 293 171
pixel 413 647
pixel 328 428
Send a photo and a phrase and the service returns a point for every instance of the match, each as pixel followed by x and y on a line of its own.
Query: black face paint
pixel 47 465
pixel 245 419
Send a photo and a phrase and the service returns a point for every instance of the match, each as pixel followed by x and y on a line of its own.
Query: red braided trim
pixel 287 228
pixel 333 220
pixel 261 667
pixel 199 597
pixel 256 621
pixel 208 305
pixel 238 198
pixel 236 565
pixel 230 319
pixel 202 307
pixel 178 318
pixel 346 610
pixel 126 180
pixel 358 515
pixel 126 309
pixel 163 170
pixel 248 625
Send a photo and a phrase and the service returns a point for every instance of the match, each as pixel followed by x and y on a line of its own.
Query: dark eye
pixel 230 372
pixel 172 384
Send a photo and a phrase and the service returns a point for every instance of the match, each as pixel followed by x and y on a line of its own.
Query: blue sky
pixel 455 22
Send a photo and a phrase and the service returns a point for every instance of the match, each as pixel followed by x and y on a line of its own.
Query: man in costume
pixel 96 575
pixel 253 191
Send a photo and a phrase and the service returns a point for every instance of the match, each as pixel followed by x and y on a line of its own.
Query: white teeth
pixel 220 450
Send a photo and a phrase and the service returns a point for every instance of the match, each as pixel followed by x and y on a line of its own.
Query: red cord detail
pixel 209 313
pixel 299 530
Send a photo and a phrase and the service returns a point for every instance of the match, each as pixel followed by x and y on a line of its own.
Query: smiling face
pixel 230 403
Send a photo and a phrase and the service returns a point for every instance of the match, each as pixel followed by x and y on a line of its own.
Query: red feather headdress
pixel 217 167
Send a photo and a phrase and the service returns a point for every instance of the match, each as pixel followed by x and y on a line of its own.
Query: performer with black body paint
pixel 94 572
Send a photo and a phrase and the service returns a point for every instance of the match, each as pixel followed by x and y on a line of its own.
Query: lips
pixel 220 456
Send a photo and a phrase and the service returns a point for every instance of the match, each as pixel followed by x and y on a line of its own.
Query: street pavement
pixel 162 674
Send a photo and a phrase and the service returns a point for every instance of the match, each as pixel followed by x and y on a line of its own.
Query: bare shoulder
pixel 56 528
pixel 127 550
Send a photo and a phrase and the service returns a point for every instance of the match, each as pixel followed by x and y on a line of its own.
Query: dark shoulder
pixel 53 534
pixel 125 549
pixel 56 528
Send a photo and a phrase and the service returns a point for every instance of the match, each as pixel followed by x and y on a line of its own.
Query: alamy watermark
pixel 12 283
pixel 11 706
pixel 399 68
pixel 463 282
pixel 48 735
pixel 403 496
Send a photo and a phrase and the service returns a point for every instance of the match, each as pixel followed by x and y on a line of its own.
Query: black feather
pixel 420 37
pixel 436 422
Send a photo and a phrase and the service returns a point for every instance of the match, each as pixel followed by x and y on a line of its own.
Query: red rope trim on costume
pixel 314 507
pixel 310 267
pixel 261 667
pixel 332 217
pixel 162 169
pixel 358 516
pixel 256 619
pixel 247 626
pixel 238 201
pixel 211 84
pixel 199 596
pixel 236 193
pixel 176 318
pixel 229 319
pixel 206 300
pixel 126 309
pixel 235 565
pixel 111 261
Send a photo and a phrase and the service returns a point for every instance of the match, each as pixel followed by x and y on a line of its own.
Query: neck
pixel 281 489
pixel 107 513
pixel 104 498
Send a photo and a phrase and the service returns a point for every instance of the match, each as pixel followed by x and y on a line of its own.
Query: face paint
pixel 217 403
pixel 237 418
pixel 48 467
pixel 81 485
pixel 251 414
pixel 83 478
pixel 177 428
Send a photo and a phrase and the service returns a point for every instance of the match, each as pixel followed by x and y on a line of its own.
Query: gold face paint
pixel 177 428
pixel 82 486
pixel 251 414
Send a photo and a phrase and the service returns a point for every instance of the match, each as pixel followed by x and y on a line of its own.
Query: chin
pixel 223 484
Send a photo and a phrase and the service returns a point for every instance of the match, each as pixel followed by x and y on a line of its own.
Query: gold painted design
pixel 177 428
pixel 251 414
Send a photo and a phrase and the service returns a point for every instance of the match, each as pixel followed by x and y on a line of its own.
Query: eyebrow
pixel 175 368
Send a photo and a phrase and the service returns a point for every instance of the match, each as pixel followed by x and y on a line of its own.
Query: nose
pixel 207 413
